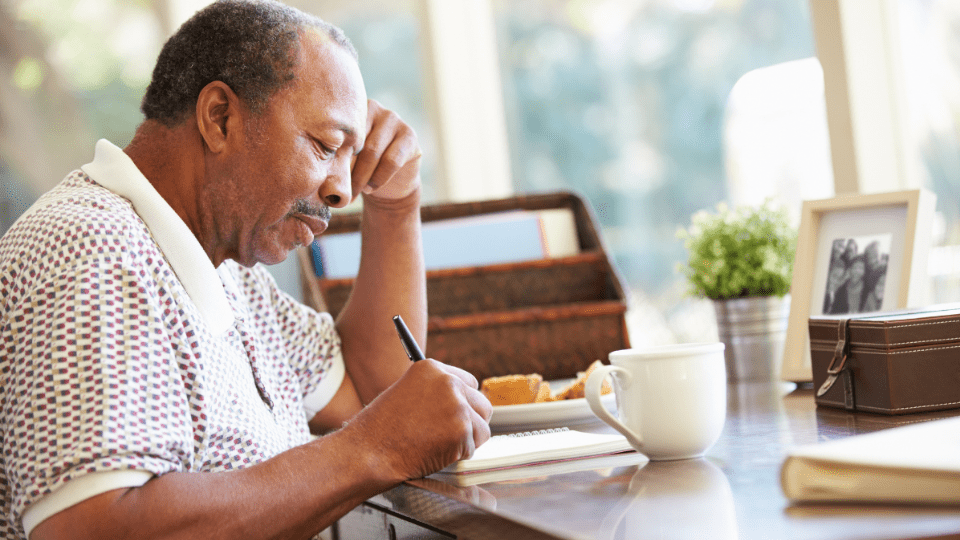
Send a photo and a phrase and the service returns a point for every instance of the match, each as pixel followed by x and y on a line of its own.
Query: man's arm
pixel 302 491
pixel 391 279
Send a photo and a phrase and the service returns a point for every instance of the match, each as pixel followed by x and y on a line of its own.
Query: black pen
pixel 406 338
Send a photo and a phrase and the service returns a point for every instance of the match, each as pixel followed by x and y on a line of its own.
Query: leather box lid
pixel 927 326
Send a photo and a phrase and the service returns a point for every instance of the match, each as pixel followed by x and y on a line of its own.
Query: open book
pixel 538 448
pixel 917 464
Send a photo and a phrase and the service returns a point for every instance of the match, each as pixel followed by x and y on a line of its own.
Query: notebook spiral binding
pixel 538 432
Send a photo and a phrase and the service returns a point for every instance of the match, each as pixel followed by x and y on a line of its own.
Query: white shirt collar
pixel 114 170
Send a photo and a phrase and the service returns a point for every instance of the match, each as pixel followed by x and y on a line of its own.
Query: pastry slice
pixel 575 389
pixel 515 389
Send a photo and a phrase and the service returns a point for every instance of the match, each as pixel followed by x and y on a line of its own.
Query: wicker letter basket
pixel 550 316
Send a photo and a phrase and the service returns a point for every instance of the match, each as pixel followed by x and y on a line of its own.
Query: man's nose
pixel 336 188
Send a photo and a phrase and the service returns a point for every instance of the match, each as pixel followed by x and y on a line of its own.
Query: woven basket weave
pixel 551 316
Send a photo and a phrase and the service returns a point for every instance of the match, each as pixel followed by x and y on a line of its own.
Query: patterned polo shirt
pixel 125 354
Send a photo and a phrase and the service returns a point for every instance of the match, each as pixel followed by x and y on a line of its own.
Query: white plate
pixel 552 414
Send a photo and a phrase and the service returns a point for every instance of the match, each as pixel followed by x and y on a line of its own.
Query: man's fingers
pixel 378 164
pixel 381 130
pixel 395 157
pixel 461 374
pixel 479 403
pixel 480 431
pixel 364 165
pixel 390 145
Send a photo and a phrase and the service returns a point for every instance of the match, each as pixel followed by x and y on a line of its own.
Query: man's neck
pixel 171 159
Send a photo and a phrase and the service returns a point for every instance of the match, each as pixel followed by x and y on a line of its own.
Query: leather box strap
pixel 837 369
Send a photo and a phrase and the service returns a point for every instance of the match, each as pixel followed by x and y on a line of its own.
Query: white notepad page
pixel 537 447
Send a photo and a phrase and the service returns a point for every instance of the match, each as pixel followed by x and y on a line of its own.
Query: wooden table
pixel 732 493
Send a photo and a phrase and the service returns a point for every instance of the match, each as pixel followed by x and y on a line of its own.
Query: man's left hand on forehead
pixel 388 167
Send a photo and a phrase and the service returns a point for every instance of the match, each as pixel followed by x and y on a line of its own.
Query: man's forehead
pixel 330 73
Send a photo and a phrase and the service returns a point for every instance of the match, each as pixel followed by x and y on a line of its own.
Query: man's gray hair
pixel 250 45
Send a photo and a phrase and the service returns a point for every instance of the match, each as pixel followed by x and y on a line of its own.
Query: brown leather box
pixel 548 316
pixel 895 362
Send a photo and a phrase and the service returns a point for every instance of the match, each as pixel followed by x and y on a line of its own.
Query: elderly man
pixel 156 381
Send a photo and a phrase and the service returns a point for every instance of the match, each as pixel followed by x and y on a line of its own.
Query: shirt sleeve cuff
pixel 316 400
pixel 79 490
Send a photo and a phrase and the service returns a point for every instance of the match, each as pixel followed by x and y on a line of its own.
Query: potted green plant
pixel 742 259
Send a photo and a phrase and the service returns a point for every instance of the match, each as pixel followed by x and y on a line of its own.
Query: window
pixel 931 64
pixel 626 103
pixel 72 72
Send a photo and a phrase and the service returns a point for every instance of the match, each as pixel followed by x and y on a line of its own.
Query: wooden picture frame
pixel 900 222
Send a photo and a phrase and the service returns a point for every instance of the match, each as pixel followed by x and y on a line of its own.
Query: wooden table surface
pixel 734 492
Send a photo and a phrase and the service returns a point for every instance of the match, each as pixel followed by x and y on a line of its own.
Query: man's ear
pixel 218 115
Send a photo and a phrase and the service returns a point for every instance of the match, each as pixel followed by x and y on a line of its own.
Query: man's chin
pixel 274 258
pixel 266 257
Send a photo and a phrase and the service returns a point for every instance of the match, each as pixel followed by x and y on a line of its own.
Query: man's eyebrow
pixel 350 132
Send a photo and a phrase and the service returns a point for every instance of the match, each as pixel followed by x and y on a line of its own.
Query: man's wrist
pixel 406 203
pixel 369 460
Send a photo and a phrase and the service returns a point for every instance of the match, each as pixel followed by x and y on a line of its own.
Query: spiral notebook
pixel 539 448
pixel 601 465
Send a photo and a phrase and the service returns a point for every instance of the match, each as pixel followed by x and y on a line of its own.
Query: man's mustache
pixel 303 207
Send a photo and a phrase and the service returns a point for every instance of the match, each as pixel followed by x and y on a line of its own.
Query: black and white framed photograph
pixel 856 254
pixel 856 274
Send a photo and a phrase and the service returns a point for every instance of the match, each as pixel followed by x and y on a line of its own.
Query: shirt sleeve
pixel 79 490
pixel 94 384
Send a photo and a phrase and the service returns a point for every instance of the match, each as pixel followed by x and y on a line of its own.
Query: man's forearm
pixel 303 490
pixel 390 282
pixel 294 495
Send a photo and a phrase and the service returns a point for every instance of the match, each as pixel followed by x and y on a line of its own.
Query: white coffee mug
pixel 671 400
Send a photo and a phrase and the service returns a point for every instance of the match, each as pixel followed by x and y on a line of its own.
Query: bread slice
pixel 576 389
pixel 516 389
pixel 543 393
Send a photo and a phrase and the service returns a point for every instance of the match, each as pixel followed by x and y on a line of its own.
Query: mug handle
pixel 592 393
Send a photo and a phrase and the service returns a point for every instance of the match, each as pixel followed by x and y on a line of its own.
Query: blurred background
pixel 652 109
